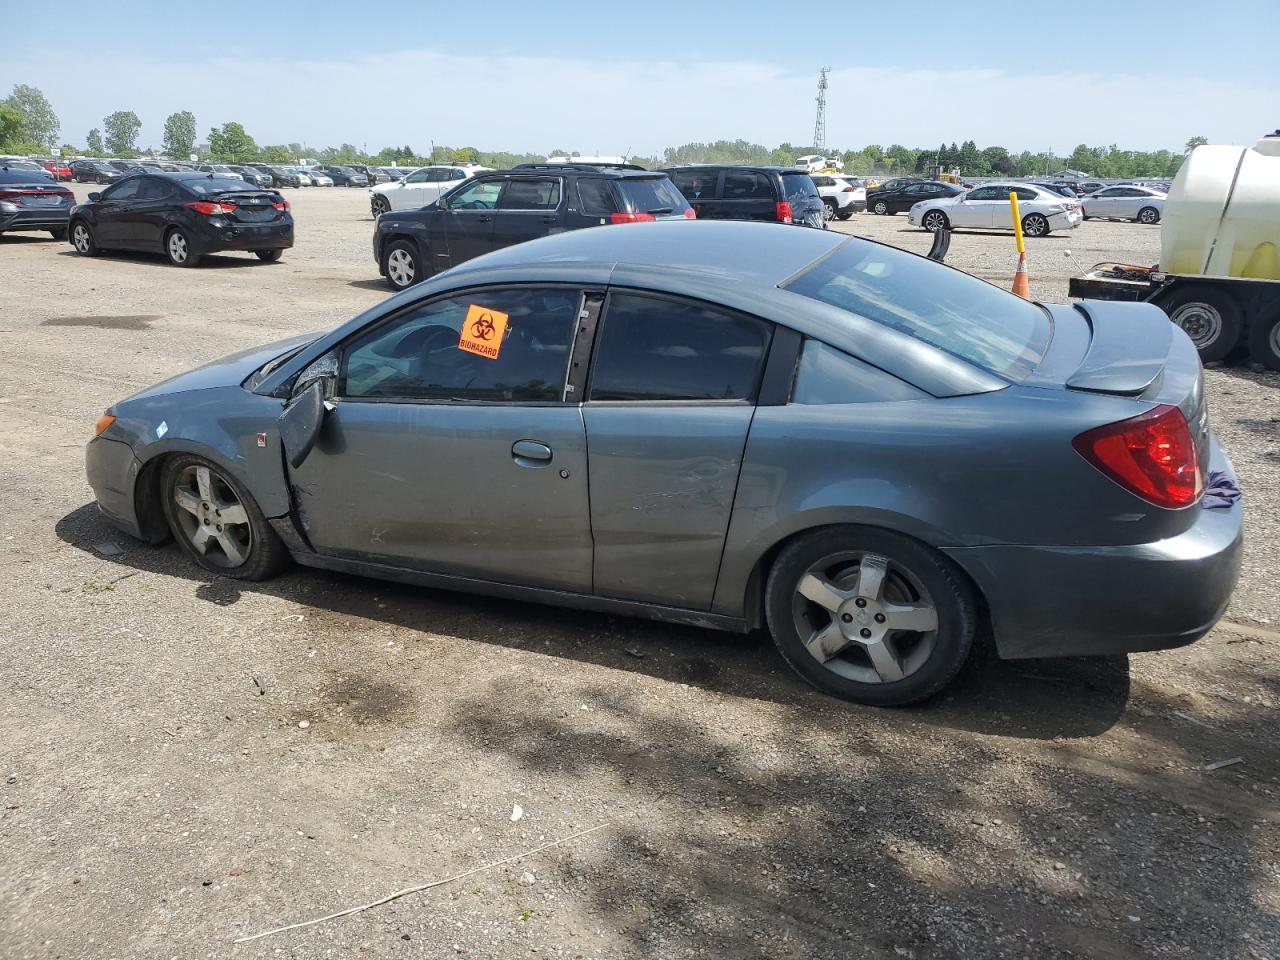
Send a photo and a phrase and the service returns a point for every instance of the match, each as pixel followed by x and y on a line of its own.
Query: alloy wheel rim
pixel 212 517
pixel 1147 216
pixel 400 268
pixel 933 222
pixel 82 238
pixel 1033 227
pixel 177 247
pixel 828 211
pixel 1199 321
pixel 865 617
pixel 881 208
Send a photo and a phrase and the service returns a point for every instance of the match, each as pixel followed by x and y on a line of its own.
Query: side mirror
pixel 301 421
pixel 95 197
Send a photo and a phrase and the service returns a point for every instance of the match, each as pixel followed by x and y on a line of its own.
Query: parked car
pixel 373 175
pixel 222 170
pixel 60 169
pixel 505 207
pixel 776 194
pixel 318 178
pixel 259 178
pixel 840 198
pixel 280 176
pixel 94 171
pixel 1143 204
pixel 345 176
pixel 419 187
pixel 988 208
pixel 184 216
pixel 811 163
pixel 1061 189
pixel 796 430
pixel 33 200
pixel 902 193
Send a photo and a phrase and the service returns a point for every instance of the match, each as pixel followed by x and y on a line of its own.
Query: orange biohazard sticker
pixel 482 332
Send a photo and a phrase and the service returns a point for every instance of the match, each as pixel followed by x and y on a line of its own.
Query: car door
pixel 412 193
pixel 670 399
pixel 1104 203
pixel 700 187
pixel 450 448
pixel 112 226
pixel 1127 202
pixel 468 217
pixel 530 207
pixel 147 216
pixel 750 195
pixel 978 208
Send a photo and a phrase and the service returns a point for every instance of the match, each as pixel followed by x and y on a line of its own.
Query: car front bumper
pixel 1050 601
pixel 112 470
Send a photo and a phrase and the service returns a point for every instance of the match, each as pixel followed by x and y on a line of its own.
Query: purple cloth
pixel 1221 491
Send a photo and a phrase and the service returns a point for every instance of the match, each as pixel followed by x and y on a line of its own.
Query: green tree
pixel 12 129
pixel 230 144
pixel 93 143
pixel 466 155
pixel 1193 143
pixel 277 154
pixel 121 131
pixel 179 134
pixel 39 122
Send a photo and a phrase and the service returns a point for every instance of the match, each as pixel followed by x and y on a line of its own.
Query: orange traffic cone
pixel 1020 285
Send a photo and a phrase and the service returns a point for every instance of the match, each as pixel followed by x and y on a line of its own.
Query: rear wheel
pixel 178 248
pixel 1035 225
pixel 844 214
pixel 217 523
pixel 1264 339
pixel 1211 318
pixel 59 233
pixel 401 265
pixel 1148 215
pixel 269 256
pixel 934 220
pixel 869 615
pixel 82 239
pixel 881 208
pixel 829 208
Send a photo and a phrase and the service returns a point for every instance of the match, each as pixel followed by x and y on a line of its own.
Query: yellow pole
pixel 1017 222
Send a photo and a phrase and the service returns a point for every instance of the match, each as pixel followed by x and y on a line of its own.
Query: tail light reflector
pixel 847 190
pixel 630 217
pixel 690 213
pixel 1152 455
pixel 210 209
pixel 783 211
pixel 282 205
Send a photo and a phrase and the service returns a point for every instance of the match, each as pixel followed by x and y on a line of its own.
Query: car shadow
pixel 1042 699
pixel 970 232
pixel 212 261
pixel 33 236
pixel 379 286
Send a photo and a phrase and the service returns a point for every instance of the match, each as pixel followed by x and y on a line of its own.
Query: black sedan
pixel 259 178
pixel 185 216
pixel 94 171
pixel 33 200
pixel 897 196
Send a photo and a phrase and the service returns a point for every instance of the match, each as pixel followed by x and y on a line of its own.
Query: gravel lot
pixel 160 796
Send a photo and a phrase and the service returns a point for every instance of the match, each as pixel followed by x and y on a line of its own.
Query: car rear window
pixel 798 184
pixel 24 176
pixel 650 195
pixel 946 308
pixel 205 185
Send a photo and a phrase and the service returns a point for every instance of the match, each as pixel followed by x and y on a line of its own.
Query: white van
pixel 812 163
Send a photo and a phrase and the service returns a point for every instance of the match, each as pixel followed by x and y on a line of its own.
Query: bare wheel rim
pixel 865 617
pixel 1034 226
pixel 400 267
pixel 212 517
pixel 1200 321
pixel 933 222
pixel 81 237
pixel 177 247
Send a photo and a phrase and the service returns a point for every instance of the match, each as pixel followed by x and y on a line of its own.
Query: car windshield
pixel 207 185
pixel 946 308
pixel 650 194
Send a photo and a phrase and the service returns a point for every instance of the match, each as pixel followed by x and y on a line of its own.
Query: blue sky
pixel 614 77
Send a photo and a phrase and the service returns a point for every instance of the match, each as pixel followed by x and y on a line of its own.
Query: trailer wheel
pixel 1264 340
pixel 1211 318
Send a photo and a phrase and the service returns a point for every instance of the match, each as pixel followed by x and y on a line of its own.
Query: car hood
pixel 228 371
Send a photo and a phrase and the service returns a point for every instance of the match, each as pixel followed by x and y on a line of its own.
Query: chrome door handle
pixel 531 453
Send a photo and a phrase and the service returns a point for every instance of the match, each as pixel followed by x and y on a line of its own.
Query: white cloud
pixel 538 104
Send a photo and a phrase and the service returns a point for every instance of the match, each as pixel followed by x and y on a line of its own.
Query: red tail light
pixel 690 213
pixel 847 190
pixel 210 209
pixel 15 196
pixel 783 211
pixel 630 217
pixel 1152 455
pixel 282 205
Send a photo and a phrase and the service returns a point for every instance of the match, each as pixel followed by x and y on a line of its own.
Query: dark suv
pixel 504 207
pixel 345 176
pixel 778 194
pixel 905 192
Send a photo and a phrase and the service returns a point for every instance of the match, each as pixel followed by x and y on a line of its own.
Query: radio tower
pixel 820 123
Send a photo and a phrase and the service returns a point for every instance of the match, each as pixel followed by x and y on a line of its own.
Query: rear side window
pixel 215 184
pixel 943 307
pixel 798 185
pixel 696 184
pixel 595 197
pixel 752 185
pixel 827 375
pixel 540 194
pixel 651 195
pixel 654 349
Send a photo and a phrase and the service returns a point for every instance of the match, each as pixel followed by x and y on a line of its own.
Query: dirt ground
pixel 160 795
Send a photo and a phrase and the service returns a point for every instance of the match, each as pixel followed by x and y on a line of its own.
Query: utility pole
pixel 820 122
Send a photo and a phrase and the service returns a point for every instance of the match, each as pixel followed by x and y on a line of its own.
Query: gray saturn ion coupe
pixel 726 424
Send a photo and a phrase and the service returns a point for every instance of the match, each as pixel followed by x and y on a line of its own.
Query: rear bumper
pixel 53 218
pixel 112 470
pixel 207 238
pixel 1083 601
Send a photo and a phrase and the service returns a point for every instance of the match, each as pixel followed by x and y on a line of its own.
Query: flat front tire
pixel 869 615
pixel 217 522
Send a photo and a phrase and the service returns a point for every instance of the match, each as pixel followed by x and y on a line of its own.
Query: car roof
pixel 765 167
pixel 592 169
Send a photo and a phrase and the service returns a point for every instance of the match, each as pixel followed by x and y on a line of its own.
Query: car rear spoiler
pixel 1129 348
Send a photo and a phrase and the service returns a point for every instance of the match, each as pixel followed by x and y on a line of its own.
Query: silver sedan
pixel 1142 204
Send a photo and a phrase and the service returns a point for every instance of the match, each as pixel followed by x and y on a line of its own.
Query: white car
pixel 422 186
pixel 221 169
pixel 304 178
pixel 840 198
pixel 811 163
pixel 318 179
pixel 988 208
pixel 1125 202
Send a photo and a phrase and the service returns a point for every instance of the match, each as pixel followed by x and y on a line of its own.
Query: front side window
pixel 498 345
pixel 481 195
pixel 653 349
pixel 540 194
pixel 985 193
pixel 946 308
pixel 124 190
pixel 418 176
